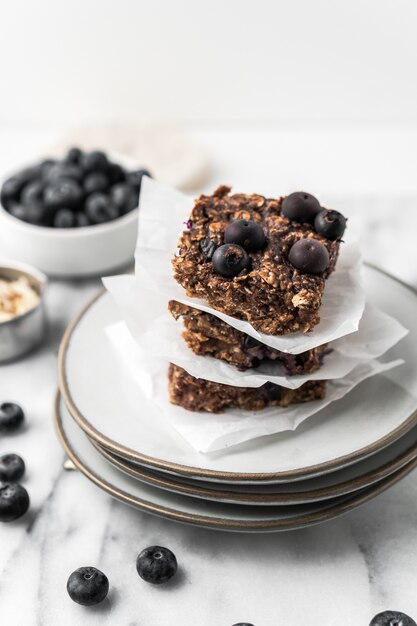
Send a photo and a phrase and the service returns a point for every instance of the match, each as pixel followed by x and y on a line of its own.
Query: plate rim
pixel 210 474
pixel 344 488
pixel 217 523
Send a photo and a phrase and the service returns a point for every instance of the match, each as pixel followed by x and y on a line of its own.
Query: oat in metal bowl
pixel 22 310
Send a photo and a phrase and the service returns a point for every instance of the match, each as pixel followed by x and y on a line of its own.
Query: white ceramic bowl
pixel 73 252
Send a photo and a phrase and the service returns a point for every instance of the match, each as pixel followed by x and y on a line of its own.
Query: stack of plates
pixel 335 461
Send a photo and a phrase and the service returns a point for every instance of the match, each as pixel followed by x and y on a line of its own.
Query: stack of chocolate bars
pixel 264 261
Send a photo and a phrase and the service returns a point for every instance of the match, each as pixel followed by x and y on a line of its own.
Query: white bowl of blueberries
pixel 72 217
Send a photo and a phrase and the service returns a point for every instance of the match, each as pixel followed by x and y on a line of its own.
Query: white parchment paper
pixel 148 338
pixel 207 432
pixel 163 212
pixel 157 333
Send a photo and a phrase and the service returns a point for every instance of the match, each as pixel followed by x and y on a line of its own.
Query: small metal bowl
pixel 23 332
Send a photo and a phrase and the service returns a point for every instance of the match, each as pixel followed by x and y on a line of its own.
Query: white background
pixel 218 60
pixel 282 94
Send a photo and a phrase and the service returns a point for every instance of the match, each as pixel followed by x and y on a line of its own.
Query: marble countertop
pixel 342 572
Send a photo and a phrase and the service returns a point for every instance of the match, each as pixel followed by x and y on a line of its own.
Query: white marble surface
pixel 342 572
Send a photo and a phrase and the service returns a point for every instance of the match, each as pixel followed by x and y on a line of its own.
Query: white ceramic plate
pixel 113 411
pixel 232 517
pixel 334 484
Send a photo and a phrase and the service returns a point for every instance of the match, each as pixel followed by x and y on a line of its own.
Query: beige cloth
pixel 172 157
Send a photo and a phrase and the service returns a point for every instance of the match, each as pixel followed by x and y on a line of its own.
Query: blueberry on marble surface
pixel 11 417
pixel 331 224
pixel 156 565
pixel 100 208
pixel 300 206
pixel 230 259
pixel 392 618
pixel 14 501
pixel 12 468
pixel 88 586
pixel 309 256
pixel 245 233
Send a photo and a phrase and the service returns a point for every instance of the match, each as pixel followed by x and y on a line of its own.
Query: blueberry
pixel 156 565
pixel 81 220
pixel 73 155
pixel 309 256
pixel 135 178
pixel 45 166
pixel 301 207
pixel 94 161
pixel 125 197
pixel 10 191
pixel 246 233
pixel 11 417
pixel 116 173
pixel 12 468
pixel 54 172
pixel 29 174
pixel 88 586
pixel 18 211
pixel 64 218
pixel 100 208
pixel 32 193
pixel 208 247
pixel 243 624
pixel 230 259
pixel 330 224
pixel 63 192
pixel 392 618
pixel 14 502
pixel 64 170
pixel 73 171
pixel 97 181
pixel 34 214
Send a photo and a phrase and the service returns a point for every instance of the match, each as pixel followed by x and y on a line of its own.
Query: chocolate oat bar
pixel 206 334
pixel 196 394
pixel 259 259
